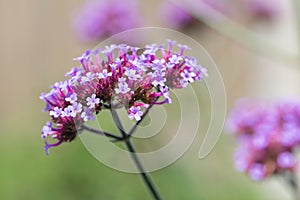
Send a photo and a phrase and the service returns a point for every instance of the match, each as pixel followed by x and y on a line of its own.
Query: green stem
pixel 132 130
pixel 144 174
pixel 118 122
pixel 290 179
pixel 241 34
pixel 297 15
pixel 87 128
pixel 149 183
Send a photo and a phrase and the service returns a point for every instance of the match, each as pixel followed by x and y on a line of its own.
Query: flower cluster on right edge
pixel 267 135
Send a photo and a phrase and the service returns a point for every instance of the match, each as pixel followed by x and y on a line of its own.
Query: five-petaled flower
pixel 92 101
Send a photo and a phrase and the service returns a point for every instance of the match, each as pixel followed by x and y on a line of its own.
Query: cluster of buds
pixel 132 77
pixel 268 135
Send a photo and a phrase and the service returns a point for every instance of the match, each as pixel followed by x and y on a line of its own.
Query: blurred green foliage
pixel 71 173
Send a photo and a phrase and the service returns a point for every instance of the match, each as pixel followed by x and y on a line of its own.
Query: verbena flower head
pixel 103 18
pixel 133 77
pixel 268 135
pixel 173 16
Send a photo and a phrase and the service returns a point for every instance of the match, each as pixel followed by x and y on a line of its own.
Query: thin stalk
pixel 297 15
pixel 87 128
pixel 132 130
pixel 290 179
pixel 144 174
pixel 118 122
pixel 149 183
pixel 293 183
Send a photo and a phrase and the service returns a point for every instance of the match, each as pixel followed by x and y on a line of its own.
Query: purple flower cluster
pixel 268 135
pixel 260 9
pixel 129 76
pixel 173 16
pixel 102 18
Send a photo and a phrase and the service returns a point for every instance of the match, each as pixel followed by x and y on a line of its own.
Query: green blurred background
pixel 37 45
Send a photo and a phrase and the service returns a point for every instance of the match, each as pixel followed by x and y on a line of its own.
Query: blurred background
pixel 39 39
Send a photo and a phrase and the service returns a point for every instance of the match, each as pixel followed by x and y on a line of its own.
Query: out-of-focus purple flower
pixel 286 160
pixel 102 18
pixel 268 135
pixel 173 16
pixel 125 77
pixel 212 8
pixel 260 9
pixel 257 172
